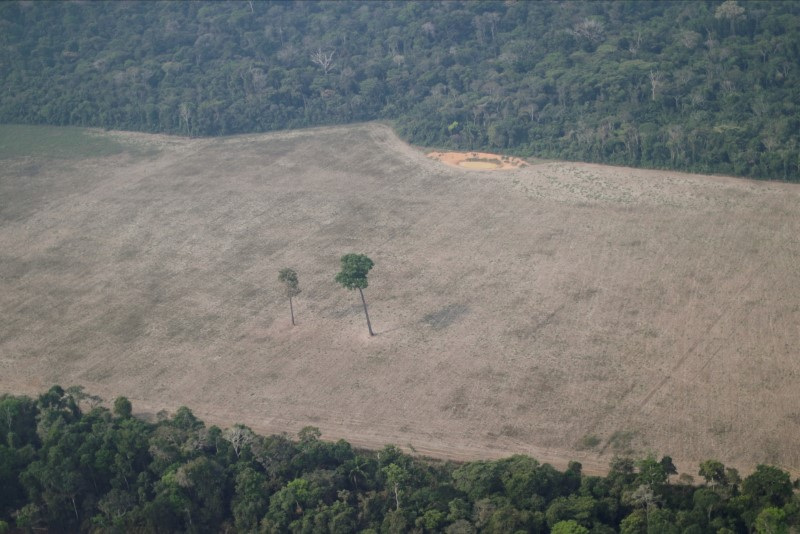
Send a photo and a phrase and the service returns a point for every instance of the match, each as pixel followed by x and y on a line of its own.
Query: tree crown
pixel 289 278
pixel 354 271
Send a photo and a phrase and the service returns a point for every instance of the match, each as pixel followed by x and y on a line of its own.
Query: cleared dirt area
pixel 568 311
pixel 481 161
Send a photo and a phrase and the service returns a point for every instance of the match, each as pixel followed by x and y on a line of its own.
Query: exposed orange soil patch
pixel 480 161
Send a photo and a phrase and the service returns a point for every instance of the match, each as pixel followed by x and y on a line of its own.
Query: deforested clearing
pixel 563 310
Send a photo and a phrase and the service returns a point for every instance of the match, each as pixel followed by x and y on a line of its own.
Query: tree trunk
pixel 369 325
pixel 291 309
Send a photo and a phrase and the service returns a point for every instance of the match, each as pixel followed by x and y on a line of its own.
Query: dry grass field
pixel 564 310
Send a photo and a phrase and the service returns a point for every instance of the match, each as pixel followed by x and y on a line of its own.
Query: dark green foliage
pixel 651 473
pixel 353 275
pixel 122 407
pixel 569 527
pixel 478 479
pixel 17 421
pixel 768 486
pixel 668 466
pixel 12 461
pixel 355 268
pixel 250 500
pixel 288 277
pixel 104 472
pixel 669 84
pixel 713 472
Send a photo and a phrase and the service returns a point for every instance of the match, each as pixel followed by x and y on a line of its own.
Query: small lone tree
pixel 289 279
pixel 354 276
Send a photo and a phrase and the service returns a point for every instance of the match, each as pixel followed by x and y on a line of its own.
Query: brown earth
pixel 481 161
pixel 517 312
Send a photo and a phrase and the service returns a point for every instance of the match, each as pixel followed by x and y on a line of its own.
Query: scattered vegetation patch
pixel 720 428
pixel 588 442
pixel 446 316
pixel 53 142
pixel 621 441
pixel 512 431
pixel 493 161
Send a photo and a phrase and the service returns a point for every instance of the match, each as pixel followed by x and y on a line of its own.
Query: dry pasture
pixel 564 310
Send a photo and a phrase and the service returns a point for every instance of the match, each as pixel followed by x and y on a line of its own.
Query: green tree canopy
pixel 288 277
pixel 569 527
pixel 697 86
pixel 353 275
pixel 355 268
pixel 99 472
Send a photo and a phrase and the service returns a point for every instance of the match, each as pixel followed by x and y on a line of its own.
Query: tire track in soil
pixel 681 361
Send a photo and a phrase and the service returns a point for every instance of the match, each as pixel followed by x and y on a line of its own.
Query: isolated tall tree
pixel 354 276
pixel 729 10
pixel 289 279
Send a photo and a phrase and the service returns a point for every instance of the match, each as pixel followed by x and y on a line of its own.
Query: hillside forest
pixel 701 86
pixel 68 464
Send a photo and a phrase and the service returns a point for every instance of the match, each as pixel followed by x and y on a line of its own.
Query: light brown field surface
pixel 521 311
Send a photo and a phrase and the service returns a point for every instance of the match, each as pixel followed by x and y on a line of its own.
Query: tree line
pixel 704 86
pixel 69 464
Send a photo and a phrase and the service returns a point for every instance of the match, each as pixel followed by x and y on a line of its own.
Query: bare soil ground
pixel 537 310
pixel 482 161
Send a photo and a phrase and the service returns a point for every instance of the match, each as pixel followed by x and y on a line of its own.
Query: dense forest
pixel 704 86
pixel 67 464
